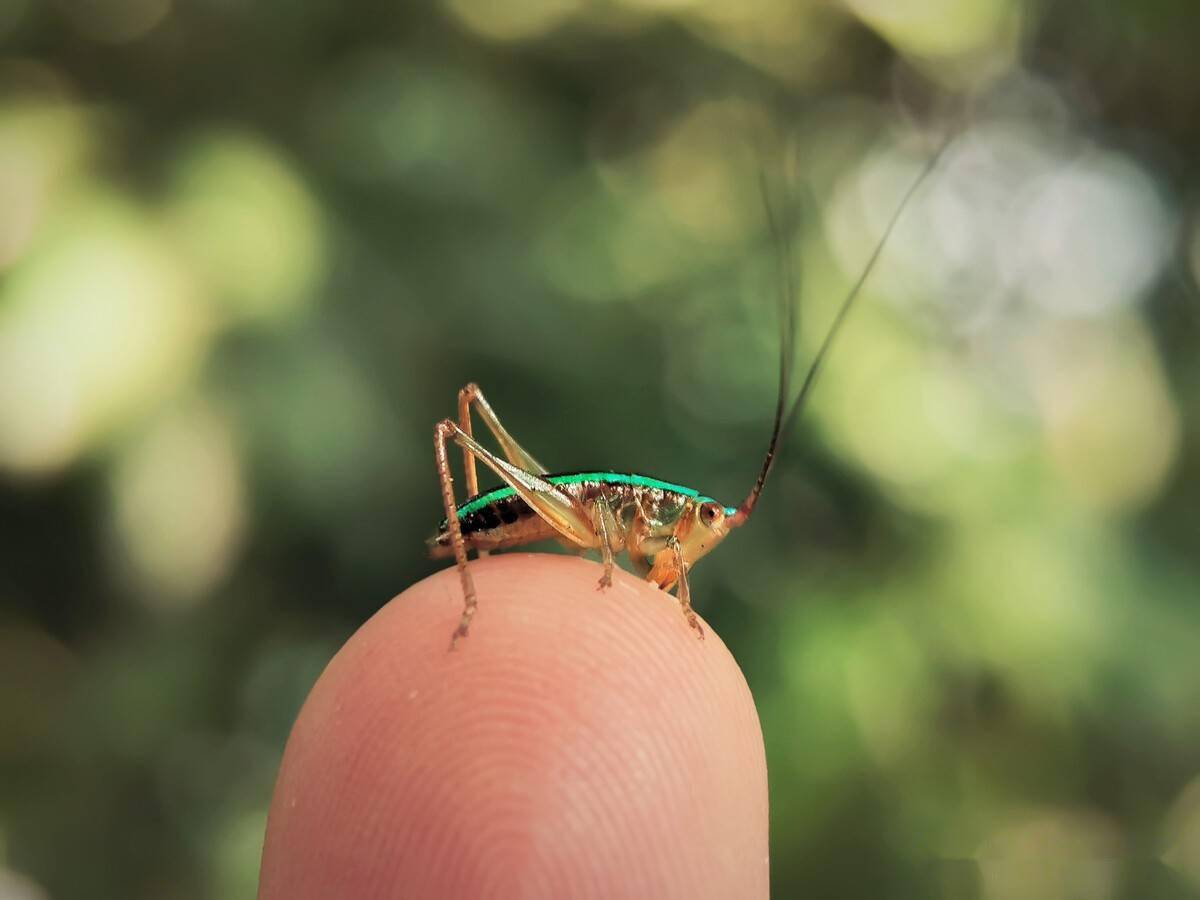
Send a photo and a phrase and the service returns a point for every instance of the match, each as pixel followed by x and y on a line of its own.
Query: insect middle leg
pixel 607 527
pixel 637 536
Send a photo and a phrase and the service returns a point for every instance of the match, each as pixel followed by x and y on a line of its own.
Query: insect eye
pixel 711 512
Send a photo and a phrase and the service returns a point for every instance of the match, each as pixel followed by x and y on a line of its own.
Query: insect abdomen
pixel 507 521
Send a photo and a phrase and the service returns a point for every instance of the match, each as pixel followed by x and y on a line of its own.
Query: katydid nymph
pixel 664 527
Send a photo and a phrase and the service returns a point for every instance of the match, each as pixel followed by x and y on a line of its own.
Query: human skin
pixel 577 743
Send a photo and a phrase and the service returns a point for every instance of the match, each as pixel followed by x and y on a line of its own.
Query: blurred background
pixel 250 251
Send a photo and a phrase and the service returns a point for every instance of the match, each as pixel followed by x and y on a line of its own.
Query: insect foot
pixel 605 582
pixel 463 625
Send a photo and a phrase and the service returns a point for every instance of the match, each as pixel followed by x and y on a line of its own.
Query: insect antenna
pixel 784 413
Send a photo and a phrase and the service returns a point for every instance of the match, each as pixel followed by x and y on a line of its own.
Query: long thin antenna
pixel 783 420
pixel 789 290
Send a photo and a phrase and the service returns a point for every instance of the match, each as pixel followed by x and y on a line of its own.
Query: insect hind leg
pixel 566 515
pixel 472 395
pixel 446 429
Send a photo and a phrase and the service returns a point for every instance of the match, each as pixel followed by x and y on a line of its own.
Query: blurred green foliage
pixel 249 252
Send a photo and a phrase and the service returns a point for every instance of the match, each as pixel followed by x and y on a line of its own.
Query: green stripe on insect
pixel 497 494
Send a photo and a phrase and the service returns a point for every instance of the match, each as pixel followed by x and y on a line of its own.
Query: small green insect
pixel 665 528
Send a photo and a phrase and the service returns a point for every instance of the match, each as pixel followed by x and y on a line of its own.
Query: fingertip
pixel 576 743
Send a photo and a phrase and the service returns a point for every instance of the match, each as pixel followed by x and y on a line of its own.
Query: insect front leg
pixel 681 584
pixel 441 431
